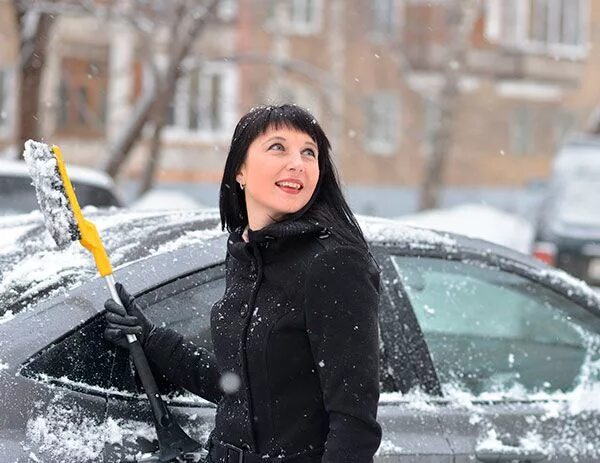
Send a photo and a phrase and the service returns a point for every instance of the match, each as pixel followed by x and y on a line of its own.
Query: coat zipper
pixel 247 319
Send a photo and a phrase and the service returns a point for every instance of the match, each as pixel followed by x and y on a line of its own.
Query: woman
pixel 295 336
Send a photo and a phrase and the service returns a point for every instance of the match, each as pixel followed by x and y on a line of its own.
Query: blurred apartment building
pixel 370 70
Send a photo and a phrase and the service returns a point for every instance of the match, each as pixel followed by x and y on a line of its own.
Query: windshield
pixel 578 203
pixel 17 195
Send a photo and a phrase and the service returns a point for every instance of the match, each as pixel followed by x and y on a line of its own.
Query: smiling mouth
pixel 289 185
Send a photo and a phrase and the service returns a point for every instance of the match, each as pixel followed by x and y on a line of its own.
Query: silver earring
pixel 242 186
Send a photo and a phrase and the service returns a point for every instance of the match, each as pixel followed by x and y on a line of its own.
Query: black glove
pixel 129 319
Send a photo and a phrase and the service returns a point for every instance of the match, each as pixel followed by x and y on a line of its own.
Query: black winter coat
pixel 298 326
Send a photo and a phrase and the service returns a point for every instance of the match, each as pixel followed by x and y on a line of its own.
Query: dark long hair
pixel 327 206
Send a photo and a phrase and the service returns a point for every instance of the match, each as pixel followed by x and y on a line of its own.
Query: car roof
pixel 32 269
pixel 77 174
pixel 580 156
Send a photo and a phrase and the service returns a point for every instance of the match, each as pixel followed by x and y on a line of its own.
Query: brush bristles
pixel 51 195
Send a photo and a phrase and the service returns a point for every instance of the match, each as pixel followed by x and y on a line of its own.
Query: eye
pixel 310 152
pixel 276 147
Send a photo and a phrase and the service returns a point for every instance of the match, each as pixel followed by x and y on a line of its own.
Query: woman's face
pixel 280 174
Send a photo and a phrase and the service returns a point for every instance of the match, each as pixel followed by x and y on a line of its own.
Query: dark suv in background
pixel 568 228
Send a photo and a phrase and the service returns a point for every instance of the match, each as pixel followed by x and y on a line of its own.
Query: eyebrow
pixel 276 138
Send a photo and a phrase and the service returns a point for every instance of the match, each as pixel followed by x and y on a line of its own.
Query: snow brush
pixel 65 223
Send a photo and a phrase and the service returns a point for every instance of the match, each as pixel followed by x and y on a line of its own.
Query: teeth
pixel 289 184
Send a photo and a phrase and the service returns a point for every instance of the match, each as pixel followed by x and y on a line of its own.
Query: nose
pixel 295 162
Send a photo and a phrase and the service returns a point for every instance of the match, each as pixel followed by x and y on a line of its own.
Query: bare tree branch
pixel 461 17
pixel 34 32
pixel 185 26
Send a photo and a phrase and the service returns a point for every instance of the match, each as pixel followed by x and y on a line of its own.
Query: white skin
pixel 278 154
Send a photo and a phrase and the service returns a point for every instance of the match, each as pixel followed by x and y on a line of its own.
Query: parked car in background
pixel 567 232
pixel 17 195
pixel 579 155
pixel 486 354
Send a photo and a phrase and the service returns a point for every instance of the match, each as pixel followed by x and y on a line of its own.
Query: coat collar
pixel 272 237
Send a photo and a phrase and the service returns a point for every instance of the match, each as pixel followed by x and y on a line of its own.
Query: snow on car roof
pixel 378 229
pixel 32 268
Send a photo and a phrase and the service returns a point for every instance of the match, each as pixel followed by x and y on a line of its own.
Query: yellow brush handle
pixel 90 238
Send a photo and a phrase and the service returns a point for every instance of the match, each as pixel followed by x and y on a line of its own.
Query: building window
pixel 301 17
pixel 82 97
pixel 521 132
pixel 381 123
pixel 383 19
pixel 538 24
pixel 205 102
pixel 5 82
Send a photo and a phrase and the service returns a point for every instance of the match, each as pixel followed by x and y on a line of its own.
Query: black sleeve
pixel 342 295
pixel 185 364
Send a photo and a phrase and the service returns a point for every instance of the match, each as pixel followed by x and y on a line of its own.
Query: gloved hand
pixel 129 319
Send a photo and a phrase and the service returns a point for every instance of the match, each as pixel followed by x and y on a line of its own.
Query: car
pixel 487 354
pixel 579 155
pixel 567 229
pixel 17 195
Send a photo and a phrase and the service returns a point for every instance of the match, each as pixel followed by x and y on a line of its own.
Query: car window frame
pixel 397 324
pixel 215 269
pixel 182 282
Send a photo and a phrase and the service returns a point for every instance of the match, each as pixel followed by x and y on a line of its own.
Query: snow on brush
pixel 50 192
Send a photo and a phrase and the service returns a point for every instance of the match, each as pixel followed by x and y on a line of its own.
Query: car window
pixel 488 330
pixel 94 195
pixel 576 202
pixel 184 305
pixel 17 195
pixel 84 360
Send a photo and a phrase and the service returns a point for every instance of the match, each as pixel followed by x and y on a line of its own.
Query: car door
pixel 183 305
pixel 97 410
pixel 411 432
pixel 514 359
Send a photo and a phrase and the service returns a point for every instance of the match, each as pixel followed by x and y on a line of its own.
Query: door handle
pixel 516 455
